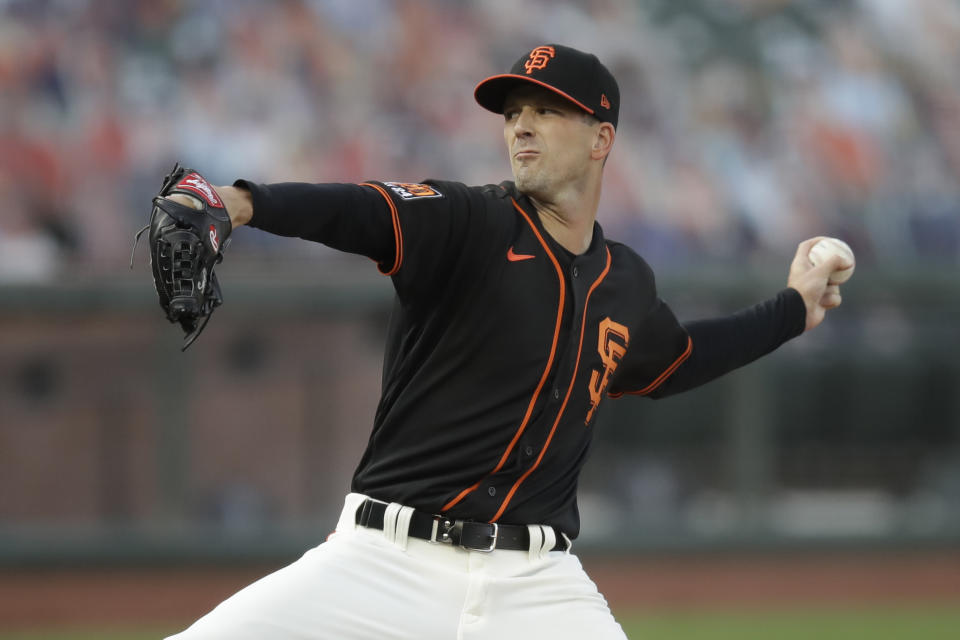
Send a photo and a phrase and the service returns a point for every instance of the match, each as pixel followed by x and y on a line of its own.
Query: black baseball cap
pixel 577 76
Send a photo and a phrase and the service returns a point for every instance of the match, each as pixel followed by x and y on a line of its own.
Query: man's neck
pixel 569 222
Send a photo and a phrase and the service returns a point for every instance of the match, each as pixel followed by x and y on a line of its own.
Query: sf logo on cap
pixel 539 58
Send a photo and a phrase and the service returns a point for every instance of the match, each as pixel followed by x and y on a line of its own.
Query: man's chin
pixel 526 183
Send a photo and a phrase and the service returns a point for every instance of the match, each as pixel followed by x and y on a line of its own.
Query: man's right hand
pixel 812 282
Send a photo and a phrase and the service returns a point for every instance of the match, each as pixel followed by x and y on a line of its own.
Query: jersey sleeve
pixel 658 347
pixel 729 342
pixel 410 230
pixel 347 217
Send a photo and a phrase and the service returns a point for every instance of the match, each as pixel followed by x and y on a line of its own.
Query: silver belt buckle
pixel 440 533
pixel 493 539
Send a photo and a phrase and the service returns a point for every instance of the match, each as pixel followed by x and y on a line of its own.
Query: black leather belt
pixel 476 536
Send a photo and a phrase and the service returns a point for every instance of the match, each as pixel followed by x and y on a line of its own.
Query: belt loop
pixel 549 540
pixel 536 541
pixel 365 507
pixel 403 526
pixel 569 543
pixel 390 521
pixel 353 504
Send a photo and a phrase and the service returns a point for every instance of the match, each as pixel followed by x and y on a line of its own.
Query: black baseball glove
pixel 185 245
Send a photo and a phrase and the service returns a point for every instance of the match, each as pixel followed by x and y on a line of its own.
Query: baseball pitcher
pixel 515 318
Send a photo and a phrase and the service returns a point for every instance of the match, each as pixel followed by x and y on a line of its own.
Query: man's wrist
pixel 239 204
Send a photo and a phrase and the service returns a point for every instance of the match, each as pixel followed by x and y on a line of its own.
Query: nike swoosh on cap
pixel 517 257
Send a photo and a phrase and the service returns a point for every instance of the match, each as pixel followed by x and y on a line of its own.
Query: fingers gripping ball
pixel 827 249
pixel 186 242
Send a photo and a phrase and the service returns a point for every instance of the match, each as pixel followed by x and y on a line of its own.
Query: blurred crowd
pixel 746 125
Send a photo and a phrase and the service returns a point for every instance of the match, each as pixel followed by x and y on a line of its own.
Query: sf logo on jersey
pixel 612 344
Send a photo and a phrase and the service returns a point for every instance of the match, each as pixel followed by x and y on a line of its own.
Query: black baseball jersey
pixel 502 344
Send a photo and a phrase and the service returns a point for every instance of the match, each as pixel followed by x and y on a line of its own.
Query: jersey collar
pixel 589 264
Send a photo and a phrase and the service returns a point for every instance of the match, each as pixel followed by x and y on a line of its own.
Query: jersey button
pixel 491 491
pixel 556 394
pixel 576 272
pixel 528 450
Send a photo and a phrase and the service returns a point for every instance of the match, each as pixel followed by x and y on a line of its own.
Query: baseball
pixel 829 247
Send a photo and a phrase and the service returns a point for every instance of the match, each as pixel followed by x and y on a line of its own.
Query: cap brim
pixel 492 92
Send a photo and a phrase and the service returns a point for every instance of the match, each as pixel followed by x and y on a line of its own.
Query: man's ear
pixel 603 141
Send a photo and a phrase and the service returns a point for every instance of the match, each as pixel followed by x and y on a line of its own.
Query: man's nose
pixel 523 125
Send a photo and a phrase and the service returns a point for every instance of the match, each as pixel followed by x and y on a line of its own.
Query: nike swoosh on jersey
pixel 517 257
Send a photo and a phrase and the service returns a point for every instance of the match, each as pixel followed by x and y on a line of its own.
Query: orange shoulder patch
pixel 410 190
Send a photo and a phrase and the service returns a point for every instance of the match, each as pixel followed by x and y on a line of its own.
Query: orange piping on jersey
pixel 546 371
pixel 563 407
pixel 397 233
pixel 663 376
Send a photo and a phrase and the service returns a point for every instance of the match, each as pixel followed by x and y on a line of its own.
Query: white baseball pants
pixel 366 584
